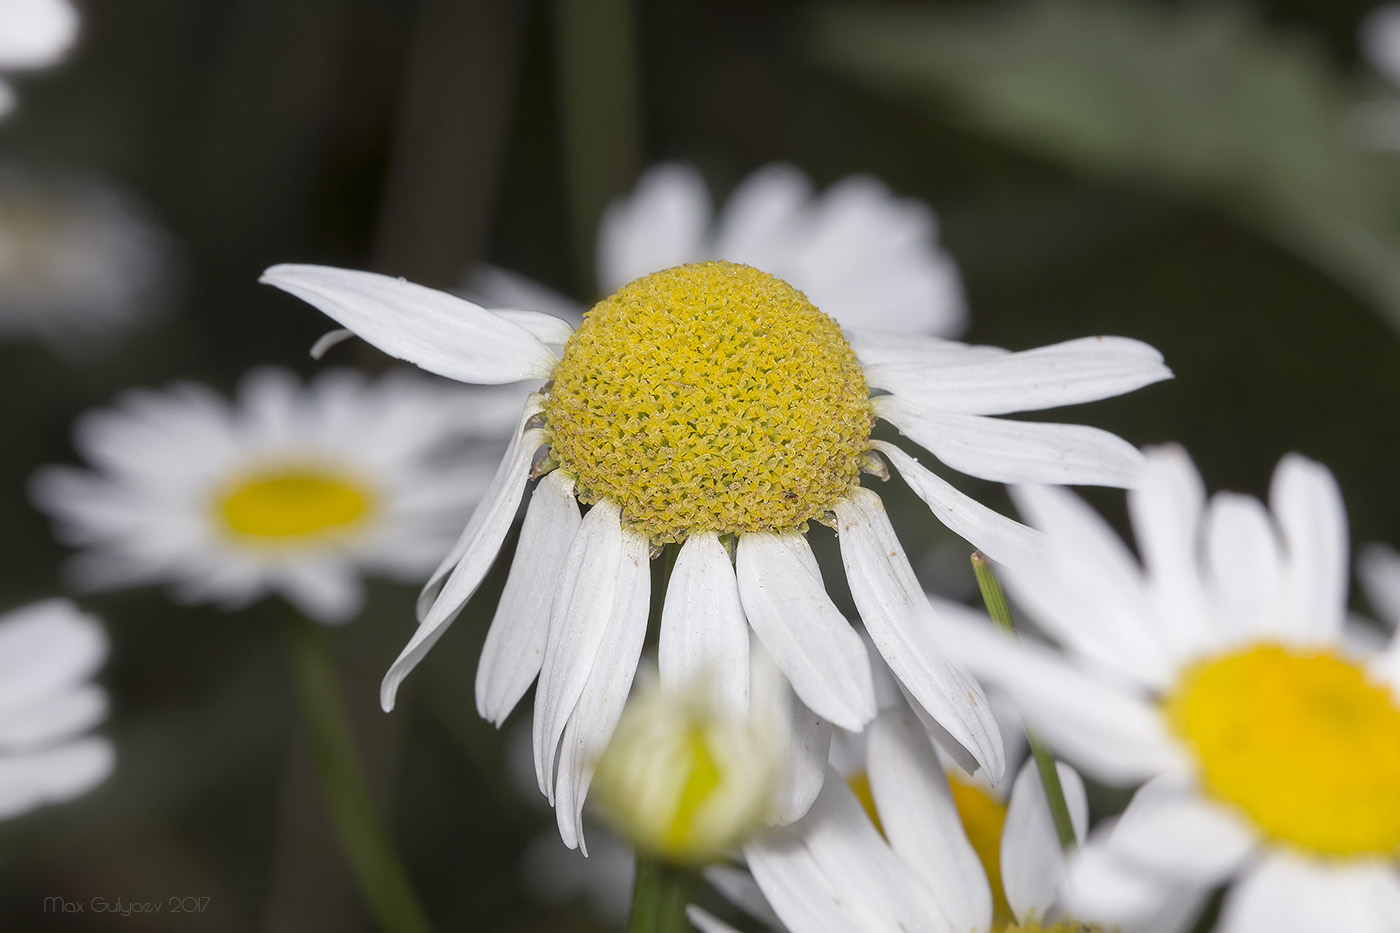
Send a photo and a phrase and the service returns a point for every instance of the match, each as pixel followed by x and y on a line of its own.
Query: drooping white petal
pixel 578 622
pixel 1068 373
pixel 1117 627
pixel 1116 735
pixel 900 348
pixel 1032 862
pixel 1245 566
pixel 662 224
pixel 804 766
pixel 921 821
pixel 439 332
pixel 1006 451
pixel 703 630
pixel 515 643
pixel 899 620
pixel 1002 539
pixel 510 476
pixel 1167 510
pixel 52 775
pixel 600 703
pixel 814 646
pixel 1313 522
pixel 475 551
pixel 1183 836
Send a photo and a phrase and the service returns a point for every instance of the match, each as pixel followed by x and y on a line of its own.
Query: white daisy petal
pixel 578 623
pixel 1016 451
pixel 796 886
pixel 739 888
pixel 921 821
pixel 1183 836
pixel 898 617
pixel 44 648
pixel 1313 522
pixel 1032 862
pixel 1245 563
pixel 703 630
pixel 494 287
pixel 662 224
pixel 53 774
pixel 1083 370
pixel 758 221
pixel 804 766
pixel 478 547
pixel 706 922
pixel 7 99
pixel 1119 737
pixel 600 703
pixel 1104 889
pixel 814 646
pixel 49 719
pixel 1000 538
pixel 1282 894
pixel 327 590
pixel 439 332
pixel 36 33
pixel 547 328
pixel 898 348
pixel 515 643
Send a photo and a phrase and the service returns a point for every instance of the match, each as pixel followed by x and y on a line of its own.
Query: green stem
pixel 381 878
pixel 995 599
pixel 659 897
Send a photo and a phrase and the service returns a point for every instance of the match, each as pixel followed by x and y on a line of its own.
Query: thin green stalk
pixel 381 877
pixel 659 896
pixel 995 599
pixel 660 890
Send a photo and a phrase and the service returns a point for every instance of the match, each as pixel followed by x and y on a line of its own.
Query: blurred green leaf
pixel 1200 99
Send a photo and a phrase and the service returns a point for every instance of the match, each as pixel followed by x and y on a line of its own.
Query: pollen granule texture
pixel 710 397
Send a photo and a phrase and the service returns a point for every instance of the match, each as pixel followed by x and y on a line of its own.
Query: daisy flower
pixel 864 256
pixel 76 256
pixel 33 34
pixel 48 653
pixel 889 851
pixel 1218 672
pixel 714 406
pixel 290 489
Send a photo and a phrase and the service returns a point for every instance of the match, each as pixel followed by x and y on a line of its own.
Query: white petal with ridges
pixel 515 643
pixel 1032 860
pixel 1068 373
pixel 1000 538
pixel 704 634
pixel 1006 451
pixel 796 887
pixel 812 643
pixel 899 620
pixel 1313 522
pixel 439 332
pixel 804 765
pixel 600 704
pixel 921 821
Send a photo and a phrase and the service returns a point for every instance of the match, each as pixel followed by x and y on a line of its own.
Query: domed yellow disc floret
pixel 1304 743
pixel 710 397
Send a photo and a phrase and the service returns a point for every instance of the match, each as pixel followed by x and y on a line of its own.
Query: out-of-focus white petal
pixel 921 821
pixel 49 719
pixel 45 647
pixel 811 642
pixel 1183 836
pixel 662 224
pixel 1313 522
pixel 704 634
pixel 739 888
pixel 1068 373
pixel 327 589
pixel 1378 568
pixel 1016 451
pixel 1284 893
pixel 578 622
pixel 52 775
pixel 1380 40
pixel 1106 890
pixel 439 332
pixel 494 287
pixel 515 643
pixel 898 617
pixel 600 703
pixel 1000 538
pixel 706 922
pixel 36 33
pixel 1245 567
pixel 1032 861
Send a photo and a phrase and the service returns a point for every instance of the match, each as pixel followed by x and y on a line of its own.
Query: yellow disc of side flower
pixel 710 397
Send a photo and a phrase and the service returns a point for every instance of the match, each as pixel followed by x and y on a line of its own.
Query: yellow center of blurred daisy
pixel 291 504
pixel 710 397
pixel 983 818
pixel 1304 743
pixel 1064 926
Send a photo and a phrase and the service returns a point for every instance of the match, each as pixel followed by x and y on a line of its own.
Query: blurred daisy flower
pixel 33 34
pixel 1219 672
pixel 864 256
pixel 290 489
pixel 713 406
pixel 48 703
pixel 77 257
pixel 889 851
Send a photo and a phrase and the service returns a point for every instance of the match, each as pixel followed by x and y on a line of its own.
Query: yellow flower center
pixel 1064 926
pixel 983 817
pixel 1303 743
pixel 289 504
pixel 710 397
